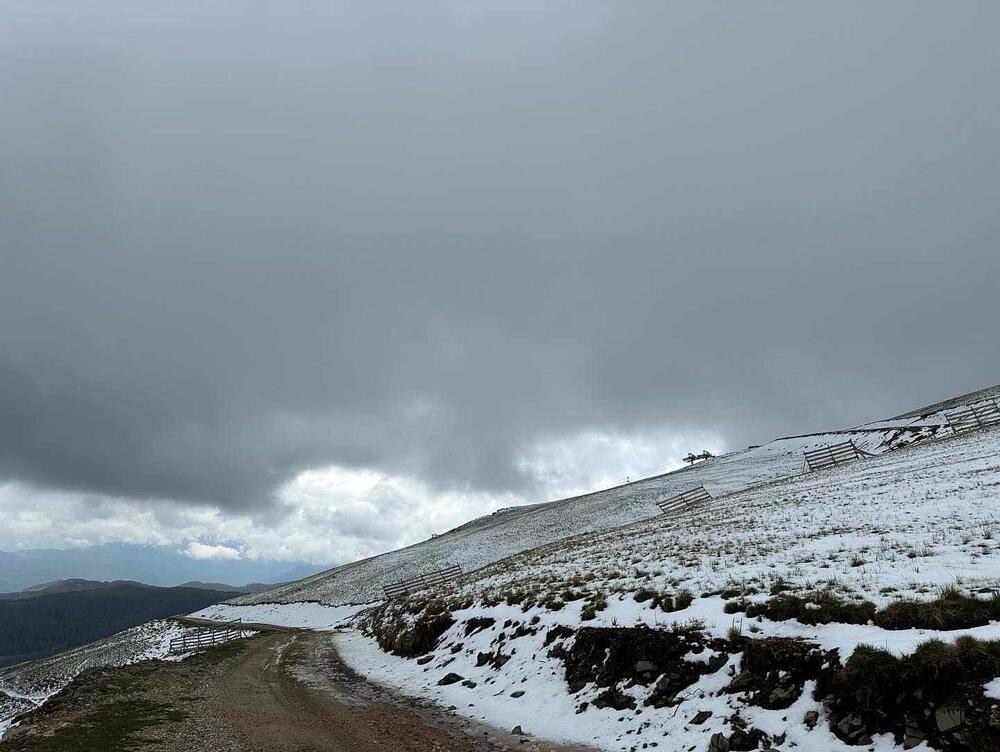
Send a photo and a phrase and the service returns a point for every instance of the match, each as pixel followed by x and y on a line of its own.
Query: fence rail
pixel 207 636
pixel 831 456
pixel 685 500
pixel 972 417
pixel 430 579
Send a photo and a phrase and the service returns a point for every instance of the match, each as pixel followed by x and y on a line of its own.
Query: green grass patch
pixel 111 728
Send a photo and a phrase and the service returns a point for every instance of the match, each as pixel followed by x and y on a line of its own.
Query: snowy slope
pixel 921 515
pixel 494 537
pixel 917 518
pixel 900 525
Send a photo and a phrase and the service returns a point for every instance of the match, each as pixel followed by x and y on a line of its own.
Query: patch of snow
pixel 992 689
pixel 302 615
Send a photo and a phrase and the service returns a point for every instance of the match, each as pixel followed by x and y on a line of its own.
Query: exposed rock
pixel 700 717
pixel 913 737
pixel 948 718
pixel 743 682
pixel 745 740
pixel 851 727
pixel 613 697
pixel 518 693
pixel 469 683
pixel 558 632
pixel 607 656
pixel 496 660
pixel 776 669
pixel 416 639
pixel 718 743
pixel 811 718
pixel 425 659
pixel 783 695
pixel 447 679
pixel 523 631
pixel 518 731
pixel 478 624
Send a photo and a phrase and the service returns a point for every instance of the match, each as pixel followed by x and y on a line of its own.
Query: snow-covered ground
pixel 902 524
pixel 25 686
pixel 502 534
pixel 303 615
pixel 547 709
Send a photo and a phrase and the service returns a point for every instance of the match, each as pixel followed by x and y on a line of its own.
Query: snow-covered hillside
pixel 497 536
pixel 890 552
pixel 849 607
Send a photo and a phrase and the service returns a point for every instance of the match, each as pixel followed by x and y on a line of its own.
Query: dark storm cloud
pixel 242 240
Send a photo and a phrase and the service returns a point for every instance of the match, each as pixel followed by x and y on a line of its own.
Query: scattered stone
pixel 642 667
pixel 718 743
pixel 425 659
pixel 913 737
pixel 478 624
pixel 447 679
pixel 518 693
pixel 744 681
pixel 783 695
pixel 518 731
pixel 700 717
pixel 949 718
pixel 811 718
pixel 851 728
pixel 613 697
pixel 745 740
pixel 469 683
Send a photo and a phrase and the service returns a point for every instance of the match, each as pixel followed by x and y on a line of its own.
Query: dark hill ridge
pixel 77 585
pixel 74 585
pixel 156 565
pixel 41 624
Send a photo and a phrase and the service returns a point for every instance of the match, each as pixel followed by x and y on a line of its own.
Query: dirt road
pixel 276 692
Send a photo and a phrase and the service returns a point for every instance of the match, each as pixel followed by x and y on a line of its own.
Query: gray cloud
pixel 242 240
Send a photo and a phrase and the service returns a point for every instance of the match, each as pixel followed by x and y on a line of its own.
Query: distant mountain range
pixel 61 615
pixel 155 565
pixel 77 585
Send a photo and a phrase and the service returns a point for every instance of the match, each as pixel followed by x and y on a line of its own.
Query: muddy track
pixel 277 692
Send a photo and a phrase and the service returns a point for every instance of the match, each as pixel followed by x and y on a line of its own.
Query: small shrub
pixel 683 599
pixel 597 602
pixel 952 609
pixel 643 594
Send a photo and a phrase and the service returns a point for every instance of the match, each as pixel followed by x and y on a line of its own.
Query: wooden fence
pixel 972 417
pixel 207 636
pixel 833 455
pixel 685 500
pixel 430 579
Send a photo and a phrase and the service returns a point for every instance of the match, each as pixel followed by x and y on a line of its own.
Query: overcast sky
pixel 312 280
